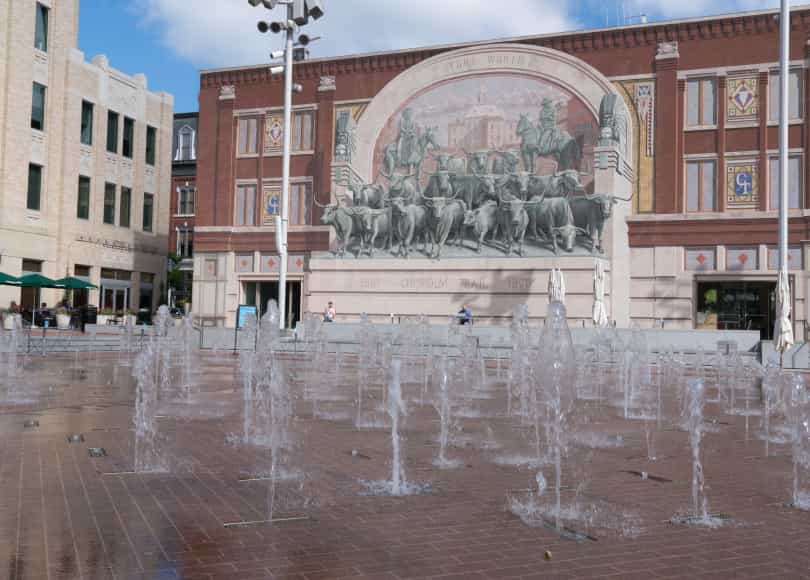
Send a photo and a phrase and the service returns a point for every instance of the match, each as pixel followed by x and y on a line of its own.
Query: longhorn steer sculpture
pixel 555 218
pixel 590 214
pixel 446 218
pixel 513 219
pixel 484 221
pixel 377 222
pixel 409 220
pixel 347 221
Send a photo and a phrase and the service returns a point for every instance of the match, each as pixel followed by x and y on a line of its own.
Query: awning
pixel 72 283
pixel 8 280
pixel 37 281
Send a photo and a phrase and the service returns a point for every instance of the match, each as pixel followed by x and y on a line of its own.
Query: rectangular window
pixel 34 187
pixel 129 137
pixel 109 203
pixel 245 205
pixel 185 202
pixel 794 182
pixel 151 142
pixel 302 131
pixel 300 196
pixel 794 100
pixel 248 136
pixel 87 123
pixel 701 182
pixel 38 107
pixel 185 243
pixel 126 207
pixel 794 258
pixel 701 107
pixel 148 211
pixel 41 30
pixel 742 259
pixel 112 131
pixel 83 198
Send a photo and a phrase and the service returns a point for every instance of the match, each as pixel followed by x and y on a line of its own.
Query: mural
pixel 495 165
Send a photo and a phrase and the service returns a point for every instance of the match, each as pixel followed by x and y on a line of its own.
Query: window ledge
pixel 742 125
pixel 247 155
pixel 293 153
pixel 791 122
pixel 183 215
pixel 701 127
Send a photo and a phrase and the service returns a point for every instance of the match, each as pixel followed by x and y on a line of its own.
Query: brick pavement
pixel 62 515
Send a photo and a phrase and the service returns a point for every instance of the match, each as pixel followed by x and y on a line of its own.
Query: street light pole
pixel 285 172
pixel 784 103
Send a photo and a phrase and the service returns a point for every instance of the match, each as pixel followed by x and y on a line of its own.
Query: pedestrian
pixel 330 313
pixel 464 315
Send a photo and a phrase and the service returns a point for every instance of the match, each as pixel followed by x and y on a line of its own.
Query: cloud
pixel 696 8
pixel 214 33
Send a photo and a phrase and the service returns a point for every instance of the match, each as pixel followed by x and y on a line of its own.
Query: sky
pixel 170 41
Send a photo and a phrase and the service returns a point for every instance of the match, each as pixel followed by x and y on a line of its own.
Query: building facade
pixel 695 247
pixel 85 164
pixel 184 193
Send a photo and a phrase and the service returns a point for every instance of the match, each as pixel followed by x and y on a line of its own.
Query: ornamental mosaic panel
pixel 270 263
pixel 794 258
pixel 244 263
pixel 742 259
pixel 273 134
pixel 701 259
pixel 271 204
pixel 742 184
pixel 743 99
pixel 346 118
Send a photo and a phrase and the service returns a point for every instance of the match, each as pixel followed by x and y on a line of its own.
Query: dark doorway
pixel 737 305
pixel 260 293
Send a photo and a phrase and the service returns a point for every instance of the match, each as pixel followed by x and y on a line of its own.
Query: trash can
pixel 89 315
pixel 144 316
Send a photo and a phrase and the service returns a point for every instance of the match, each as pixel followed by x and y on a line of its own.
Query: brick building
pixel 696 247
pixel 184 193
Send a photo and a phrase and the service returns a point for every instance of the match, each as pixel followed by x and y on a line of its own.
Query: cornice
pixel 578 42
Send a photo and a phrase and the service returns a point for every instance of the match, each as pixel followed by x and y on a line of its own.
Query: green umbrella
pixel 37 281
pixel 72 283
pixel 7 280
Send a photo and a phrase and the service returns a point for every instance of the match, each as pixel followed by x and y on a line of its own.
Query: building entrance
pixel 737 305
pixel 259 293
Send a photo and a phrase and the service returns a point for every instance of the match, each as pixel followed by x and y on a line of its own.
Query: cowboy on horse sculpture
pixel 547 140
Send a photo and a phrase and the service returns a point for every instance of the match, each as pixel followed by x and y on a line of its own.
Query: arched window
pixel 185 145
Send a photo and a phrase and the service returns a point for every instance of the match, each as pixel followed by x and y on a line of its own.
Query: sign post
pixel 243 312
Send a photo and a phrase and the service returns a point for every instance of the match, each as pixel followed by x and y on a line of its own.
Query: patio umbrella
pixel 556 286
pixel 600 317
pixel 783 328
pixel 37 281
pixel 8 280
pixel 71 283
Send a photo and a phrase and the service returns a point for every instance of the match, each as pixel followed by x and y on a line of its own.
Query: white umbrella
pixel 600 317
pixel 556 286
pixel 783 329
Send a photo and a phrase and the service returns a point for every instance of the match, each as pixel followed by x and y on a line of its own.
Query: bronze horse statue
pixel 537 142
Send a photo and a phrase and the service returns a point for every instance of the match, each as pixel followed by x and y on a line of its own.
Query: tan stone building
pixel 85 163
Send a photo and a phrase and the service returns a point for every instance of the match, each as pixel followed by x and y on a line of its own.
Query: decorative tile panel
pixel 273 134
pixel 701 259
pixel 742 184
pixel 244 263
pixel 794 258
pixel 271 203
pixel 270 263
pixel 738 259
pixel 743 99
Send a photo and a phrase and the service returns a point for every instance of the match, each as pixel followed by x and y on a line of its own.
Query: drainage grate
pixel 96 452
pixel 644 475
pixel 31 424
pixel 75 438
